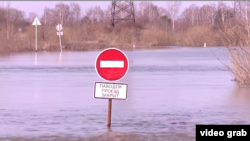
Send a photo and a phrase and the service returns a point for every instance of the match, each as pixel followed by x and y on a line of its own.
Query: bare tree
pixel 207 14
pixel 96 14
pixel 204 15
pixel 222 7
pixel 149 12
pixel 49 16
pixel 153 12
pixel 142 6
pixel 32 16
pixel 191 15
pixel 212 12
pixel 173 8
pixel 163 14
pixel 63 12
pixel 7 20
pixel 75 12
pixel 245 15
pixel 107 15
pixel 45 15
pixel 15 17
pixel 237 5
pixel 144 11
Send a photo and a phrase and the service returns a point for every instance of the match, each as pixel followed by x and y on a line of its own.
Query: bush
pixel 197 36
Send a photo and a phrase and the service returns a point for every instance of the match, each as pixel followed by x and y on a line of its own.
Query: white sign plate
pixel 105 90
pixel 36 22
pixel 59 27
pixel 60 33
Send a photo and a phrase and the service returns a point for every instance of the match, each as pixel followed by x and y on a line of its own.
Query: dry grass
pixel 155 37
pixel 238 47
pixel 98 36
pixel 197 36
pixel 239 65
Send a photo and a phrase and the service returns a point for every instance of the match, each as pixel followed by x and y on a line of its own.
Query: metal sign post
pixel 36 22
pixel 109 113
pixel 35 58
pixel 59 34
pixel 59 29
pixel 111 65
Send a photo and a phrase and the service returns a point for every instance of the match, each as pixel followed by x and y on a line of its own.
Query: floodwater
pixel 49 96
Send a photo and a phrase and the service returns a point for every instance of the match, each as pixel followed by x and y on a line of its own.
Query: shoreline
pixel 87 46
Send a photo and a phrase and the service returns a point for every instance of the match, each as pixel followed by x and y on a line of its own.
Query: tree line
pixel 155 26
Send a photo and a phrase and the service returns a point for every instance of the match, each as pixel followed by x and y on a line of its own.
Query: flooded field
pixel 49 96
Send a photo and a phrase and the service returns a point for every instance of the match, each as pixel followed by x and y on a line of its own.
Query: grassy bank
pixel 88 37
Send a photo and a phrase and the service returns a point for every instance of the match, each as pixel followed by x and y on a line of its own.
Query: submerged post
pixel 59 33
pixel 109 113
pixel 60 41
pixel 36 22
pixel 104 90
pixel 35 58
pixel 36 36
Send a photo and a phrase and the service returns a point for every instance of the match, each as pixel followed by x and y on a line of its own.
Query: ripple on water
pixel 132 68
pixel 48 102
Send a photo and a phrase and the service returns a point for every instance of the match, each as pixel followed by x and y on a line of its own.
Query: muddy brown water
pixel 49 96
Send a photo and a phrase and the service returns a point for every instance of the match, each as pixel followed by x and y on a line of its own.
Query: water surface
pixel 49 96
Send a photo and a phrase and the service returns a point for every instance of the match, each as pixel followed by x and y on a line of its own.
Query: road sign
pixel 59 27
pixel 105 90
pixel 61 33
pixel 36 22
pixel 111 64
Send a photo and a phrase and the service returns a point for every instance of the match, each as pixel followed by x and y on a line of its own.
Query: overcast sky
pixel 38 6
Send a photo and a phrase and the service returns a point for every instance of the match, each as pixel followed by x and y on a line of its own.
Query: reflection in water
pixel 35 58
pixel 241 96
pixel 169 91
pixel 60 57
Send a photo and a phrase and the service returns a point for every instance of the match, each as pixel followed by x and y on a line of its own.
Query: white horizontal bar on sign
pixel 112 64
pixel 61 33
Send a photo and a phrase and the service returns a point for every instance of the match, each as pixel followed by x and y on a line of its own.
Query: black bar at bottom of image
pixel 225 132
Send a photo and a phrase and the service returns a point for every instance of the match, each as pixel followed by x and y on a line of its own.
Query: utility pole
pixel 122 11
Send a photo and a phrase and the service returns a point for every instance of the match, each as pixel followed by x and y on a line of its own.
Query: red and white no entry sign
pixel 111 64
